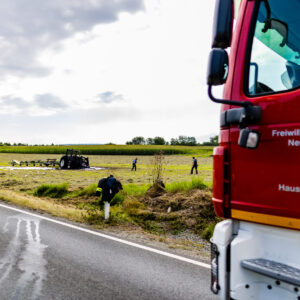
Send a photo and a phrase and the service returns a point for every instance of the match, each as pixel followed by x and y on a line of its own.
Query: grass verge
pixel 181 206
pixel 52 190
pixel 38 204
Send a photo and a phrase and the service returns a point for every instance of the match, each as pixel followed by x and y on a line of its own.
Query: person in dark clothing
pixel 134 162
pixel 108 188
pixel 195 166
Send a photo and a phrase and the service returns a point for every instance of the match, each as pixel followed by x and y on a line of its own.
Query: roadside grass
pixel 52 190
pixel 130 206
pixel 44 205
pixel 87 191
pixel 208 231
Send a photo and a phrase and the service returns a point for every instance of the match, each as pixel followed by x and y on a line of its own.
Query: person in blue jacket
pixel 134 162
pixel 194 166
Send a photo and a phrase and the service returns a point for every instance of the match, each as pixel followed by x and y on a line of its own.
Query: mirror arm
pixel 268 8
pixel 229 102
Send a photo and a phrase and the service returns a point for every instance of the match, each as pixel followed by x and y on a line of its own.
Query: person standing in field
pixel 195 166
pixel 134 162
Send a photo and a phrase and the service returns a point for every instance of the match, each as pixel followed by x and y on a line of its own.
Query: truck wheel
pixel 63 162
pixel 75 164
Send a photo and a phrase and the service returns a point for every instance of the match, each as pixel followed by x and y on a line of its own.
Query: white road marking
pixel 178 257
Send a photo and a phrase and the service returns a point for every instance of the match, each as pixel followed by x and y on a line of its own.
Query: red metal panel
pixel 218 180
pixel 264 180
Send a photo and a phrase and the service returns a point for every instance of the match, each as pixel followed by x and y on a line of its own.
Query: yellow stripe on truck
pixel 266 219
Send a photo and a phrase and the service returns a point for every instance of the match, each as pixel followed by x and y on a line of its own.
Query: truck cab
pixel 256 182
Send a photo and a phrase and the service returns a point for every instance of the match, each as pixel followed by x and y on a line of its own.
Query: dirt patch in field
pixel 11 183
pixel 165 213
pixel 188 203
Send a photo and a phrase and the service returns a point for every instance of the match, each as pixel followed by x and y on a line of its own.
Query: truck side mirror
pixel 217 67
pixel 222 26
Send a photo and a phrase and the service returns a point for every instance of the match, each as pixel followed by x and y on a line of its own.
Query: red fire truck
pixel 256 176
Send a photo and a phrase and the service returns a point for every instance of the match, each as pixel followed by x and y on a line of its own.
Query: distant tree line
pixel 140 140
pixel 182 140
pixel 14 144
pixel 21 144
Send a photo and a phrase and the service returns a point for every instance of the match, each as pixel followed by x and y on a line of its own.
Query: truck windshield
pixel 275 58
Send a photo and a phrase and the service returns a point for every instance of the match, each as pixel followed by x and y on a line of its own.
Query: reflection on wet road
pixel 24 256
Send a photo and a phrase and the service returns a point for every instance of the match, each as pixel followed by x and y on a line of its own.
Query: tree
pixel 159 140
pixel 138 140
pixel 158 167
pixel 174 141
pixel 213 141
pixel 150 141
pixel 184 141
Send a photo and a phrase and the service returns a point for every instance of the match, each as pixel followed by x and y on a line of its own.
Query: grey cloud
pixel 108 97
pixel 15 102
pixel 48 101
pixel 27 27
pixel 18 126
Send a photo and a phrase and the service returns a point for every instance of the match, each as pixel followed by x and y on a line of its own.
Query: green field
pixel 71 193
pixel 176 168
pixel 204 151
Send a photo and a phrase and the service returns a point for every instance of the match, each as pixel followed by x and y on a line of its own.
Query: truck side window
pixel 275 54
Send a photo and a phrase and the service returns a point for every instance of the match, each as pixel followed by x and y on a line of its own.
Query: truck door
pixel 265 182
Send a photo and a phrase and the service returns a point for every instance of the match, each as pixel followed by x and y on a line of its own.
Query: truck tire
pixel 63 162
pixel 75 164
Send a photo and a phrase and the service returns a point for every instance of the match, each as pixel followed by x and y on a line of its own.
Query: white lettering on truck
pixel 294 143
pixel 288 188
pixel 283 133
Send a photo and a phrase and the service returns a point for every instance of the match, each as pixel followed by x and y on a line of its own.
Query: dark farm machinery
pixel 71 160
pixel 74 160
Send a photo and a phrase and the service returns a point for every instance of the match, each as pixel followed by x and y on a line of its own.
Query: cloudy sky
pixel 99 71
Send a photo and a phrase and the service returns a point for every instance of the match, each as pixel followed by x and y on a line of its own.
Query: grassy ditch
pixel 179 207
pixel 44 205
pixel 52 190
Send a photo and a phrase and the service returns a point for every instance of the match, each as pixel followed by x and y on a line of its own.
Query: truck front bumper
pixel 239 242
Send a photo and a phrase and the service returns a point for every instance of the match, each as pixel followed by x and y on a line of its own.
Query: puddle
pixel 47 168
pixel 93 168
pixel 26 168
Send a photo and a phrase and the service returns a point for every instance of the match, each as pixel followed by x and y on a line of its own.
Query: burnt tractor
pixel 73 160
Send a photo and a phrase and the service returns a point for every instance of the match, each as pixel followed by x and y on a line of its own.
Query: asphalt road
pixel 40 259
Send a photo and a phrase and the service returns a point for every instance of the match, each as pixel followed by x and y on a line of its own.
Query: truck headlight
pixel 214 262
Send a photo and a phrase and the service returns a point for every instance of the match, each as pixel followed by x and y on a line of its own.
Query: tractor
pixel 73 160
